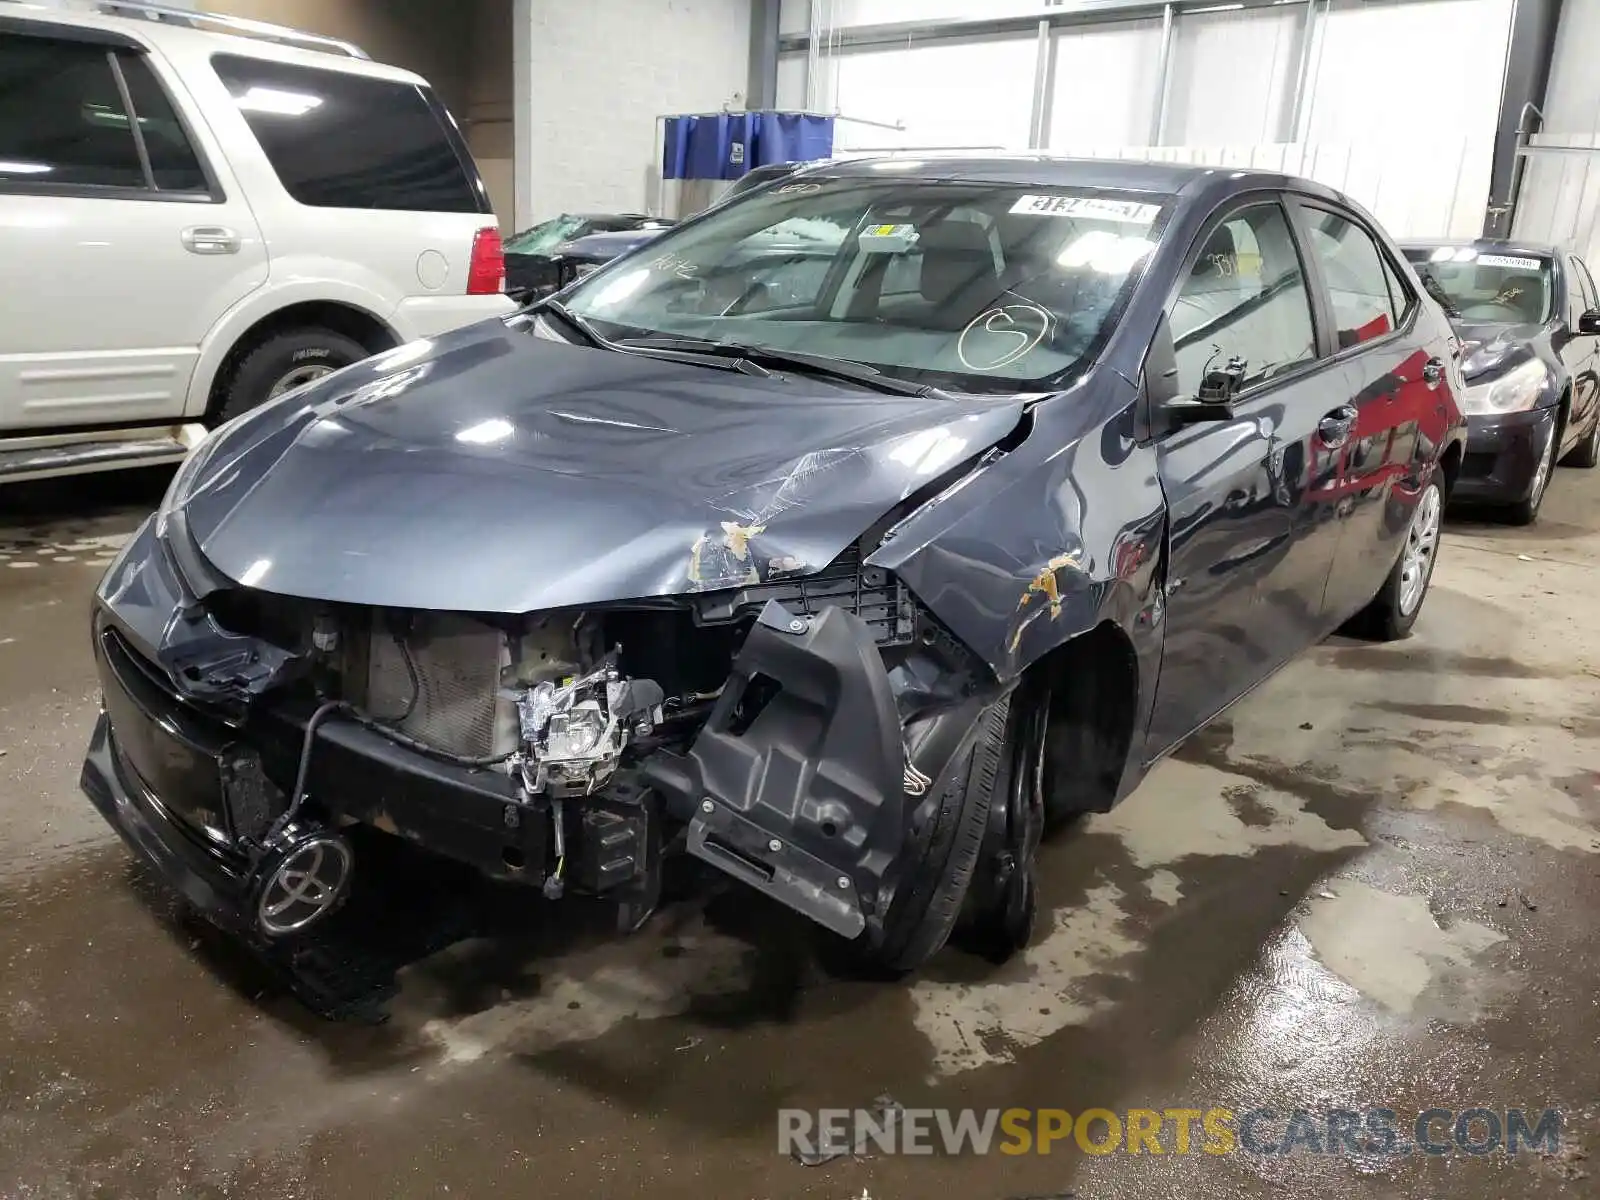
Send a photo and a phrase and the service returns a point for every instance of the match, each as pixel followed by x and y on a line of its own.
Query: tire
pixel 1587 453
pixel 281 362
pixel 924 910
pixel 1393 611
pixel 1526 511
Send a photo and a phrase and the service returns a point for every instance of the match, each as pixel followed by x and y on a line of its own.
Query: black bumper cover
pixel 1502 454
pixel 804 800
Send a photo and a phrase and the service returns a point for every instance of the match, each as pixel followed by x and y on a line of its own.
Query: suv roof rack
pixel 245 26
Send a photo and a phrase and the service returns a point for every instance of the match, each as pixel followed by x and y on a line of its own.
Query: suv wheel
pixel 282 363
pixel 1394 609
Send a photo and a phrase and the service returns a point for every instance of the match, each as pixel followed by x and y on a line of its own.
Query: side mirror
pixel 1590 321
pixel 1214 401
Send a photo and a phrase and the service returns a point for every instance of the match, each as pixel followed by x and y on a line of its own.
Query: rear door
pixel 1393 380
pixel 121 238
pixel 1247 563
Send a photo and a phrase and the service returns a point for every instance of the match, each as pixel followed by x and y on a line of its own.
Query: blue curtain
pixel 726 145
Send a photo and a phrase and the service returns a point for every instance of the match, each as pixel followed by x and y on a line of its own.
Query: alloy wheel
pixel 298 376
pixel 1422 543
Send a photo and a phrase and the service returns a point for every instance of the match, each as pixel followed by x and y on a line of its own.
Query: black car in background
pixel 836 543
pixel 577 258
pixel 533 264
pixel 1529 321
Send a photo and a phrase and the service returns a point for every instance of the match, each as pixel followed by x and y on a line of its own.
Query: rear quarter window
pixel 338 140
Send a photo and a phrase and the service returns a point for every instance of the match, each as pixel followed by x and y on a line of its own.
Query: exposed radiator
pixel 457 662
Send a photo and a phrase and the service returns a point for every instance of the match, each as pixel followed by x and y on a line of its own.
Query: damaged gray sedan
pixel 839 542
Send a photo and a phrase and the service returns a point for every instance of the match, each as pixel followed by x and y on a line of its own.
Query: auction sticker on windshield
pixel 1127 211
pixel 1509 260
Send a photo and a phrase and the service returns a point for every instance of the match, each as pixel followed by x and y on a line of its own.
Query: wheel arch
pixel 1096 693
pixel 305 301
pixel 347 320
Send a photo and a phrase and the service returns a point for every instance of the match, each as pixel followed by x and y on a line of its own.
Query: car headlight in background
pixel 579 270
pixel 1517 390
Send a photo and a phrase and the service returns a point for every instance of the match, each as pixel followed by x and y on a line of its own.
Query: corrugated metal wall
pixel 1399 110
pixel 1560 196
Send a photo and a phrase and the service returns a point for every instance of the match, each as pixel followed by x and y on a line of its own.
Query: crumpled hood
pixel 500 470
pixel 1487 349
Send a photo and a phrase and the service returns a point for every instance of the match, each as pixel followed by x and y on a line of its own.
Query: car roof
pixel 1042 169
pixel 1506 245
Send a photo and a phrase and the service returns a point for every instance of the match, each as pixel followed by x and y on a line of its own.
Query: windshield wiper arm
pixel 690 351
pixel 570 318
pixel 846 369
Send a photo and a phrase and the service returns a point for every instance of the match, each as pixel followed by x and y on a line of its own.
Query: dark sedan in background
pixel 534 257
pixel 834 544
pixel 1529 322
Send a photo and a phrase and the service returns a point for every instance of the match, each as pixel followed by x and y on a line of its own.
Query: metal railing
pixel 172 14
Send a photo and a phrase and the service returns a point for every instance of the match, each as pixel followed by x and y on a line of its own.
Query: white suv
pixel 194 221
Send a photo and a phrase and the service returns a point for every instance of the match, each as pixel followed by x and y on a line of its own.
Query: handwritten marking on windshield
pixel 683 268
pixel 1000 336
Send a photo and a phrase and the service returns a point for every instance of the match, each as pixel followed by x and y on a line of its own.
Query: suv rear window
pixel 339 140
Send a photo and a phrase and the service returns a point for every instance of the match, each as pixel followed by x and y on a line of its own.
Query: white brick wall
pixel 599 72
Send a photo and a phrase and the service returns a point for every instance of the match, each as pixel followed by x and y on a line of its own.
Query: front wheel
pixel 1526 511
pixel 1586 453
pixel 942 852
pixel 1394 609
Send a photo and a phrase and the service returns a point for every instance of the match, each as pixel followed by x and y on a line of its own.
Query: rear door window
pixel 62 120
pixel 174 167
pixel 338 140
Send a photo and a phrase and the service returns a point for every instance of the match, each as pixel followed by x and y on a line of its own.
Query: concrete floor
pixel 1375 883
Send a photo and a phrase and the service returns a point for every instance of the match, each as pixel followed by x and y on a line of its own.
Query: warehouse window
pixel 338 140
pixel 1357 284
pixel 62 119
pixel 1244 298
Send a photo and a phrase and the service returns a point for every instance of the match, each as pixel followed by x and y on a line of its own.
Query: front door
pixel 1247 565
pixel 1580 351
pixel 120 249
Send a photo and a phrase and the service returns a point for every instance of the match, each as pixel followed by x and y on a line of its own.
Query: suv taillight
pixel 486 274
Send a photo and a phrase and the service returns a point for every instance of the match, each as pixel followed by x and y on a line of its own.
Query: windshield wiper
pixel 570 318
pixel 1435 289
pixel 690 351
pixel 846 369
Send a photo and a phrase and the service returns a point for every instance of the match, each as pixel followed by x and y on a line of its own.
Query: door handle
pixel 1334 429
pixel 1433 372
pixel 210 239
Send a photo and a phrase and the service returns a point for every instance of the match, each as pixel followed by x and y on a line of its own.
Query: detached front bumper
pixel 1502 456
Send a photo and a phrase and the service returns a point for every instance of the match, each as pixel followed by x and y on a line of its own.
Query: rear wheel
pixel 283 362
pixel 1394 609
